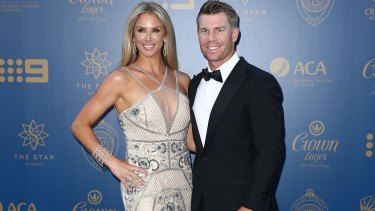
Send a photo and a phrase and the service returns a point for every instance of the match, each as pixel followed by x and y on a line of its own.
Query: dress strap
pixel 153 78
pixel 136 78
pixel 176 73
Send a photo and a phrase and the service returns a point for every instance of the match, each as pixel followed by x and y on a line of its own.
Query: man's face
pixel 216 38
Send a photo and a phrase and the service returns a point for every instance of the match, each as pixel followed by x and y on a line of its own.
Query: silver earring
pixel 134 49
pixel 165 49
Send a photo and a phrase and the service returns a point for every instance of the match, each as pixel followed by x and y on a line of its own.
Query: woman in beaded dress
pixel 149 95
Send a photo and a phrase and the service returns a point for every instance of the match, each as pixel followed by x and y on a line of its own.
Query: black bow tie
pixel 216 75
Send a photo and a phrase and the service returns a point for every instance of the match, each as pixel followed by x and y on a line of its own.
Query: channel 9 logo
pixel 23 70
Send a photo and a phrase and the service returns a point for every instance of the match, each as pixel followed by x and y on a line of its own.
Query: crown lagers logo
pixel 94 197
pixel 316 128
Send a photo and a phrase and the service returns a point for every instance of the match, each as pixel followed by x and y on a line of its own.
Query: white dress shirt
pixel 207 93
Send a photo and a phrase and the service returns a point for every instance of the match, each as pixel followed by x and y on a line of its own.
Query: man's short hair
pixel 212 7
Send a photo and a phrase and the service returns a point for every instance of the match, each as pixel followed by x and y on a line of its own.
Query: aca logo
pixel 310 201
pixel 306 74
pixel 33 136
pixel 94 198
pixel 314 148
pixel 23 70
pixel 368 72
pixel 19 207
pixel 315 11
pixel 367 203
pixel 369 145
pixel 92 10
pixel 108 137
pixel 370 12
pixel 280 67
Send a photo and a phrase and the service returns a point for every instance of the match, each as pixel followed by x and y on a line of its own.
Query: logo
pixel 96 63
pixel 369 145
pixel 94 198
pixel 315 11
pixel 18 6
pixel 316 128
pixel 314 148
pixel 368 203
pixel 310 201
pixel 306 74
pixel 33 136
pixel 370 12
pixel 108 137
pixel 28 70
pixel 185 5
pixel 368 73
pixel 19 207
pixel 279 67
pixel 92 10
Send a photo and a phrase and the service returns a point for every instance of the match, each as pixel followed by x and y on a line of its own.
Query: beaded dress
pixel 155 130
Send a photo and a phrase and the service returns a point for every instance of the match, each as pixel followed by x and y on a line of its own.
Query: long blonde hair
pixel 129 55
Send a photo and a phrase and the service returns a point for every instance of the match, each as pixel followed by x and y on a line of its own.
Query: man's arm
pixel 268 129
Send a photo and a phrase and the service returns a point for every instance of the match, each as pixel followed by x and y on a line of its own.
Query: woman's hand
pixel 128 174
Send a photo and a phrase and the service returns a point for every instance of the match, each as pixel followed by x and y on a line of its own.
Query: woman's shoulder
pixel 183 76
pixel 183 79
pixel 120 74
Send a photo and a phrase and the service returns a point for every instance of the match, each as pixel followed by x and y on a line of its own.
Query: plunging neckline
pixel 168 122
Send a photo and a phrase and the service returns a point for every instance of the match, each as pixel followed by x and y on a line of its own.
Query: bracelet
pixel 100 155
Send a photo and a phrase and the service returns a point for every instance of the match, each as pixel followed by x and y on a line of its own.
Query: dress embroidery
pixel 156 141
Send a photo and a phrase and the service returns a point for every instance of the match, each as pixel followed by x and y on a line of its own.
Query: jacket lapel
pixel 194 83
pixel 228 91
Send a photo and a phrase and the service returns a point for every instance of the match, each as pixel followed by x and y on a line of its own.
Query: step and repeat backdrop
pixel 54 54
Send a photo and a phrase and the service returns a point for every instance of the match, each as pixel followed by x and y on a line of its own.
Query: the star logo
pixel 96 63
pixel 33 135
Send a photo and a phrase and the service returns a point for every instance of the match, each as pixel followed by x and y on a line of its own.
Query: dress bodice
pixel 156 141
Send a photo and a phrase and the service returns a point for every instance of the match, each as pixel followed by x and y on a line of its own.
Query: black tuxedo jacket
pixel 244 152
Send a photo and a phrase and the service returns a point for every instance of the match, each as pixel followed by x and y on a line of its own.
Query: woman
pixel 149 95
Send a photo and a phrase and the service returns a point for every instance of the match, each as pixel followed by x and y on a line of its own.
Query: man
pixel 237 122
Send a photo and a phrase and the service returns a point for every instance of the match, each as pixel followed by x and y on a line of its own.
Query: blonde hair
pixel 129 55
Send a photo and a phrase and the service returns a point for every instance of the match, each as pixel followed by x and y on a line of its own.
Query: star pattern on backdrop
pixel 33 135
pixel 96 63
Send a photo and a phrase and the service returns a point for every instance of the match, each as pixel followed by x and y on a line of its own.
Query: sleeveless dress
pixel 156 141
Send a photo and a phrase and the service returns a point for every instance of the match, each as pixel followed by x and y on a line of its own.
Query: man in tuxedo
pixel 237 121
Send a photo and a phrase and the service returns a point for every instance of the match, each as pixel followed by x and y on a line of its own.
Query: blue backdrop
pixel 54 54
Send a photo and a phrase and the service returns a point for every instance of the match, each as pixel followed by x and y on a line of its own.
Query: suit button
pixel 204 159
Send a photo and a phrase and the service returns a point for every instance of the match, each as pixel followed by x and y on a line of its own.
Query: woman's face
pixel 149 35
